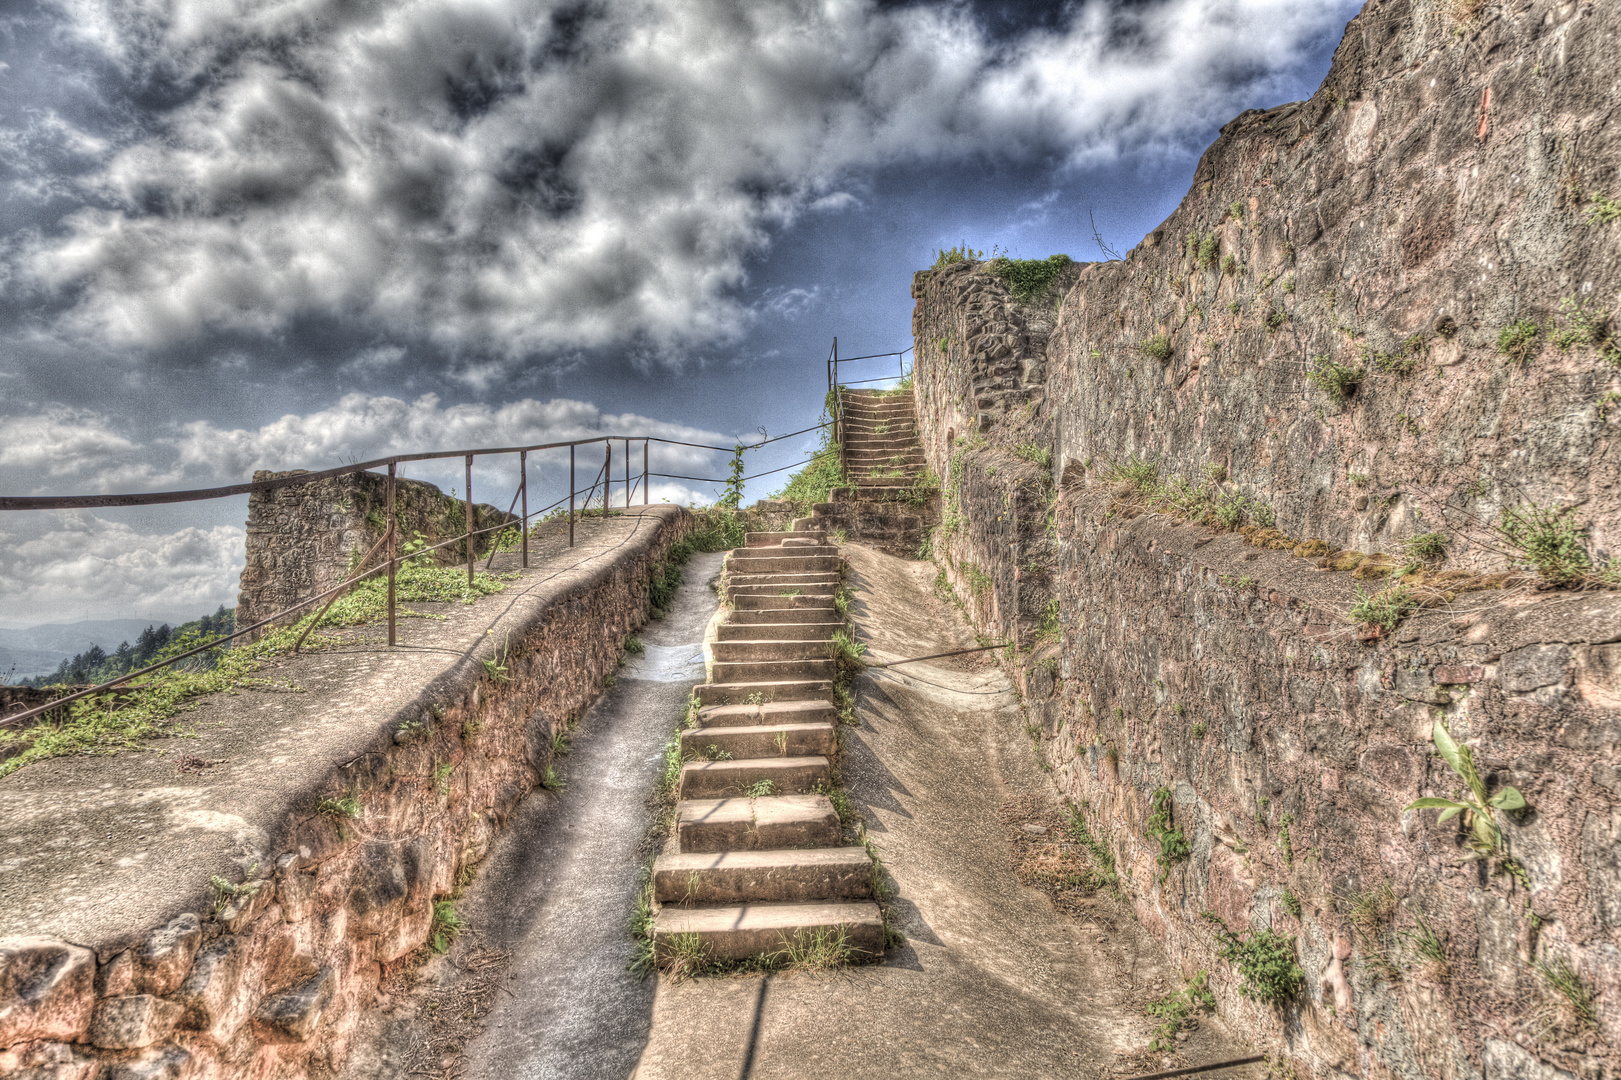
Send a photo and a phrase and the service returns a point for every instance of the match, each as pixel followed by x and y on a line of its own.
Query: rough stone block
pixel 292 1015
pixel 132 1022
pixel 168 954
pixel 47 990
pixel 207 994
pixel 47 1061
pixel 170 1063
pixel 1533 667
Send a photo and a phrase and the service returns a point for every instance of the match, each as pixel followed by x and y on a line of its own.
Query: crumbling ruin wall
pixel 305 538
pixel 1383 312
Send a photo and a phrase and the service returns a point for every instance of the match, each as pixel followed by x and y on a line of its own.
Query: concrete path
pixel 993 981
pixel 556 892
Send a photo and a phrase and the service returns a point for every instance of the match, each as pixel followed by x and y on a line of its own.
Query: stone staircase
pixel 760 861
pixel 882 505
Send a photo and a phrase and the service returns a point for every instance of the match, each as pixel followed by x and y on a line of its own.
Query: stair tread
pixel 716 860
pixel 751 764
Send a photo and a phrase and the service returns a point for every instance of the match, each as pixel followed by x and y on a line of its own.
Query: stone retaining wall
pixel 270 980
pixel 1396 225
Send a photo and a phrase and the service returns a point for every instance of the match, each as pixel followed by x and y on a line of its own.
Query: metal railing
pixel 388 544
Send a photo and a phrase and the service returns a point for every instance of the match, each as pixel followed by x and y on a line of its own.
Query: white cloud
pixel 56 564
pixel 361 427
pixel 508 177
pixel 64 445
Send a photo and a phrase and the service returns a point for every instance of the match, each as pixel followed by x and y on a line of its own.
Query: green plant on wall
pixel 1173 845
pixel 1265 960
pixel 1479 809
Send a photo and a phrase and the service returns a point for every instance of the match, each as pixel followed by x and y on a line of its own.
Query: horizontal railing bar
pixel 155 498
pixel 791 434
pixel 872 356
pixel 858 382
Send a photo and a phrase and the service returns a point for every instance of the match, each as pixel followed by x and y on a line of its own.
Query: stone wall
pixel 270 979
pixel 1435 192
pixel 304 539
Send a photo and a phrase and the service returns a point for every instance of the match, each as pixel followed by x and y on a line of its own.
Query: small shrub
pixel 1485 839
pixel 1383 609
pixel 1028 279
pixel 1518 341
pixel 1157 347
pixel 1265 960
pixel 1173 845
pixel 961 253
pixel 1229 265
pixel 553 780
pixel 1275 319
pixel 1549 540
pixel 1035 453
pixel 1426 547
pixel 760 789
pixel 634 645
pixel 1236 209
pixel 1178 1010
pixel 348 807
pixel 1575 998
pixel 1208 250
pixel 1290 902
pixel 447 924
pixel 1200 729
pixel 1605 210
pixel 1339 381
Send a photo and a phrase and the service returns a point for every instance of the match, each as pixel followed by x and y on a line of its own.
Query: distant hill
pixel 88 650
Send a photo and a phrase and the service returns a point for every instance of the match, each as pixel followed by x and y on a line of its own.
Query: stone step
pixel 741 877
pixel 883 478
pixel 772 823
pixel 749 671
pixel 732 779
pixel 773 539
pixel 768 649
pixel 819 602
pixel 785 631
pixel 778 616
pixel 785 564
pixel 740 556
pixel 776 712
pixel 745 930
pixel 788 578
pixel 882 443
pixel 764 741
pixel 890 492
pixel 764 691
pixel 866 456
pixel 782 592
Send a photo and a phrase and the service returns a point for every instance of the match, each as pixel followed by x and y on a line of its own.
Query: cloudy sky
pixel 245 234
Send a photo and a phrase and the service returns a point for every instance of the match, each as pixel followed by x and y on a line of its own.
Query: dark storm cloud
pixel 504 178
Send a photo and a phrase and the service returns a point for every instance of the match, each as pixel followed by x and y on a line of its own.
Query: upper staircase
pixel 888 500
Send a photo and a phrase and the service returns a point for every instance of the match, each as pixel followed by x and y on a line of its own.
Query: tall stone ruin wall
pixel 305 538
pixel 1438 190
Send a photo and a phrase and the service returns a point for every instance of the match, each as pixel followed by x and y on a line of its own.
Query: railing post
pixel 838 405
pixel 469 519
pixel 523 487
pixel 392 553
pixel 570 494
pixel 607 474
pixel 627 474
pixel 647 479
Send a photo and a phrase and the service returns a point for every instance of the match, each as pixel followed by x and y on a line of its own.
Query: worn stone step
pixel 855 458
pixel 765 691
pixel 787 631
pixel 774 539
pixel 741 931
pixel 741 877
pixel 775 712
pixel 782 577
pixel 771 823
pixel 882 443
pixel 775 601
pixel 732 779
pixel 785 564
pixel 763 741
pixel 740 556
pixel 884 478
pixel 769 649
pixel 780 616
pixel 742 671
